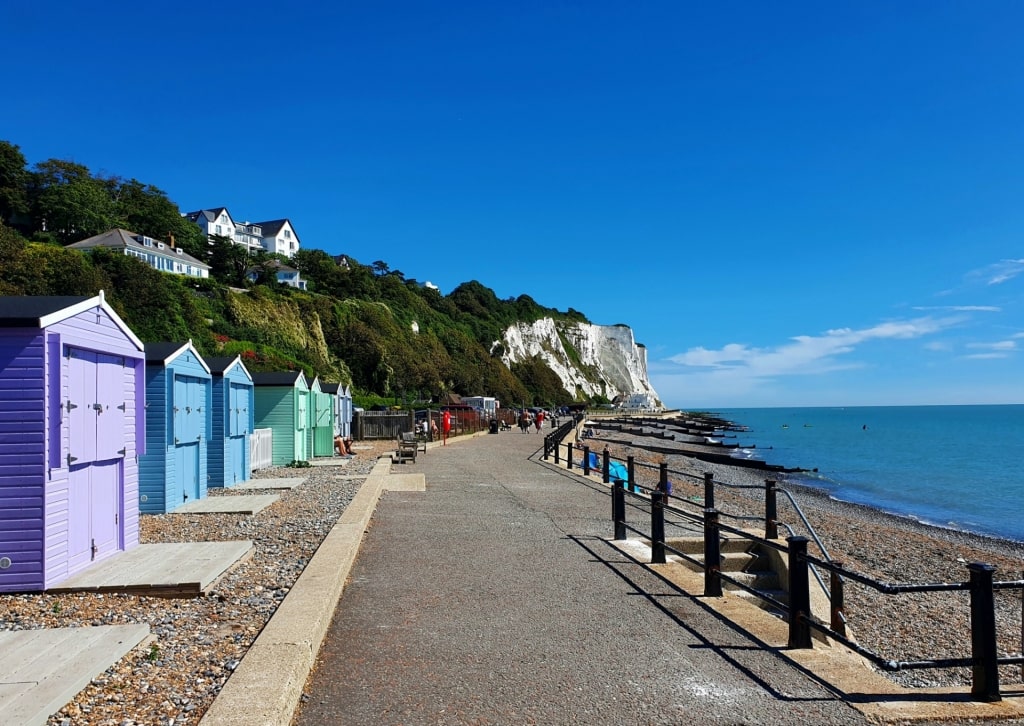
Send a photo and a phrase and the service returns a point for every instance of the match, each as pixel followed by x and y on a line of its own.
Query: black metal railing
pixel 647 487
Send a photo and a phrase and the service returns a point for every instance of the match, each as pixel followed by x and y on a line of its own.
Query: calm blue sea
pixel 954 466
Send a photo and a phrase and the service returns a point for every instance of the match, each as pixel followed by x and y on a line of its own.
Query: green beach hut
pixel 281 402
pixel 321 420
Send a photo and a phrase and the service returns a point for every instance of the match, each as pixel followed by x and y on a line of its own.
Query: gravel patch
pixel 199 641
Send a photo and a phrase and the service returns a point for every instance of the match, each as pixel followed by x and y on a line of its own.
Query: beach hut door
pixel 94 415
pixel 189 419
pixel 238 418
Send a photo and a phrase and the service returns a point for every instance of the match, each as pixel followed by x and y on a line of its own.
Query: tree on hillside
pixel 145 209
pixel 229 262
pixel 14 178
pixel 67 203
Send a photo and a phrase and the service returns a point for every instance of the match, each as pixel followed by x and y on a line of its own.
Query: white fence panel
pixel 261 448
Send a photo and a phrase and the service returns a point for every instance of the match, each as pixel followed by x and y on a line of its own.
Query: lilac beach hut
pixel 178 413
pixel 71 427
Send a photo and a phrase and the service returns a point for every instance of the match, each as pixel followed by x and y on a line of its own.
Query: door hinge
pixel 123 407
pixel 71 458
pixel 121 452
pixel 70 405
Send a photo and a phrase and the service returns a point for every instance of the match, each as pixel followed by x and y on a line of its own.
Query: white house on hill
pixel 276 235
pixel 159 255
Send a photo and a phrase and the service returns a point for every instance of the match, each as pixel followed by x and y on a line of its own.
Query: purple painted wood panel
pixel 22 470
pixel 81 416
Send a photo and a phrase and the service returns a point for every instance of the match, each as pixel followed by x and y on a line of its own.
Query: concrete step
pixel 695 545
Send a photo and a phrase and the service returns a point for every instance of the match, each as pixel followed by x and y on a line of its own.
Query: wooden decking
pixel 180 569
pixel 44 669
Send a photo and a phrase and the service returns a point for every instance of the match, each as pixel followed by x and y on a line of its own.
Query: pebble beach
pixel 889 548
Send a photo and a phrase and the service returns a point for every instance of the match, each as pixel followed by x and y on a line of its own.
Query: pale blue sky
pixel 790 203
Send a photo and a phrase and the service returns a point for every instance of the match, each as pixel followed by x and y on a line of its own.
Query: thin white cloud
pixel 1001 345
pixel 985 356
pixel 806 354
pixel 998 272
pixel 961 308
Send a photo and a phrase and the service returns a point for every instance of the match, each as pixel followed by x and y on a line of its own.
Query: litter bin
pixel 494 426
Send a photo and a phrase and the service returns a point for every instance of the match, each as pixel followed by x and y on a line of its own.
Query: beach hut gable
pixel 228 450
pixel 178 422
pixel 281 402
pixel 71 427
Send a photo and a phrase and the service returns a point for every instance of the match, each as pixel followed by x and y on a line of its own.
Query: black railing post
pixel 837 596
pixel 547 444
pixel 709 490
pixel 630 477
pixel 799 594
pixel 586 461
pixel 985 666
pixel 605 456
pixel 771 510
pixel 619 509
pixel 657 528
pixel 568 456
pixel 557 447
pixel 712 555
pixel 663 481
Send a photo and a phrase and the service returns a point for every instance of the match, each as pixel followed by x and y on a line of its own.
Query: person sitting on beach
pixel 343 446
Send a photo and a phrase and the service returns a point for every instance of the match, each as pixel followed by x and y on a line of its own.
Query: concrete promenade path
pixel 494 597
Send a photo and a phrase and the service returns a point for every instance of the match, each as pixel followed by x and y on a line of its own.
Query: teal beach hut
pixel 321 417
pixel 173 469
pixel 281 403
pixel 233 414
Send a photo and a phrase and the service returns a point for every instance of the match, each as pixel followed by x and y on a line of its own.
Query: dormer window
pixel 178 250
pixel 160 245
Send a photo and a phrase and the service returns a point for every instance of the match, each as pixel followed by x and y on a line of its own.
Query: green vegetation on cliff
pixel 365 325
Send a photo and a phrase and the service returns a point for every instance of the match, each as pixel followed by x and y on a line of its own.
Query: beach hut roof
pixel 276 378
pixel 41 311
pixel 221 364
pixel 161 353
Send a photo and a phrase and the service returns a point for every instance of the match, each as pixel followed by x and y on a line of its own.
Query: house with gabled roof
pixel 279 236
pixel 159 255
pixel 276 236
pixel 284 274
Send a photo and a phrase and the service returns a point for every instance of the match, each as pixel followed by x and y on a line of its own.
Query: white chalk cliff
pixel 608 360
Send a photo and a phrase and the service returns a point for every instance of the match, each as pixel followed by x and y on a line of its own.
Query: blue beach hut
pixel 233 412
pixel 178 402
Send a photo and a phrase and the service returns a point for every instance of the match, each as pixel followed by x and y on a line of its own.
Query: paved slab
pixel 272 483
pixel 331 461
pixel 229 504
pixel 179 569
pixel 54 665
pixel 406 483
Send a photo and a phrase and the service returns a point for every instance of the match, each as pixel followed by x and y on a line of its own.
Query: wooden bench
pixel 407 447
